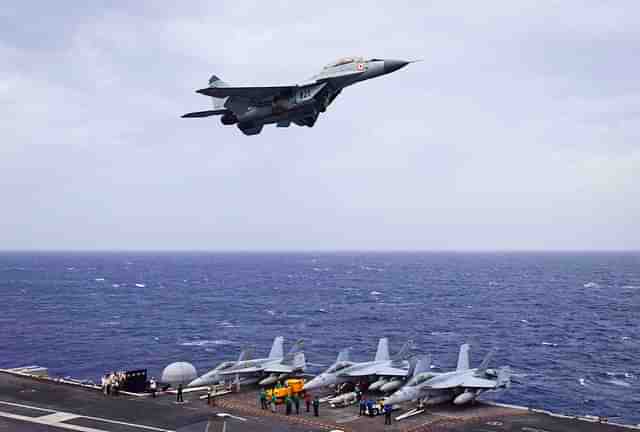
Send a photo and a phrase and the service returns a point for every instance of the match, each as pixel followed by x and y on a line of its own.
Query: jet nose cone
pixel 394 65
pixel 198 382
pixel 311 385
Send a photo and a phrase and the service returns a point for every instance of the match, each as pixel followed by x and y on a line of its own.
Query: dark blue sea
pixel 567 323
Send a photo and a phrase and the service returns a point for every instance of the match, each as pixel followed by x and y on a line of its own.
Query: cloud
pixel 519 130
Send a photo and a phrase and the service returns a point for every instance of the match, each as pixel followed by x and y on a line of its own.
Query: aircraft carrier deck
pixel 30 404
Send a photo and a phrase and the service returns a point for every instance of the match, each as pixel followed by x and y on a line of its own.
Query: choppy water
pixel 570 323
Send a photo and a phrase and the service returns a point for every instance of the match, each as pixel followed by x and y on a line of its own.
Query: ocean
pixel 567 323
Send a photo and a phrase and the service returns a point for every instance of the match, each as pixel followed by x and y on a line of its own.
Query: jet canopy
pixel 419 379
pixel 344 61
pixel 338 367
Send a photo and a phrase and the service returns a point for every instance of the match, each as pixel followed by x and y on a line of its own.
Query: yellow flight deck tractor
pixel 291 387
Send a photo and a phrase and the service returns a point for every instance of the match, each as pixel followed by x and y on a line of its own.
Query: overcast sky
pixel 520 130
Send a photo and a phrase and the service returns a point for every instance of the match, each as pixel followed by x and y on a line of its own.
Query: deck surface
pixel 32 405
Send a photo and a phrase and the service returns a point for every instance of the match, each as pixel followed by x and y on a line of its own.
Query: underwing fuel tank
pixel 391 386
pixel 270 380
pixel 343 398
pixel 377 384
pixel 464 398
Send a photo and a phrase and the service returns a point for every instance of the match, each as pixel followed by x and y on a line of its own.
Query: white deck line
pixel 56 417
pixel 27 406
pixel 43 421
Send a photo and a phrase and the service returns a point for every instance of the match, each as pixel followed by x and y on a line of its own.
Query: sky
pixel 519 130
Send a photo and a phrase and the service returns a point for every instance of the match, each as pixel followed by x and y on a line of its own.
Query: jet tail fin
pixel 504 377
pixel 343 355
pixel 218 103
pixel 245 354
pixel 382 353
pixel 485 362
pixel 423 365
pixel 463 358
pixel 299 362
pixel 277 349
pixel 297 347
pixel 404 351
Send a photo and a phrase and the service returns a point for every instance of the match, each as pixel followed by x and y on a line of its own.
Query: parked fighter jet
pixel 383 365
pixel 248 371
pixel 253 107
pixel 461 386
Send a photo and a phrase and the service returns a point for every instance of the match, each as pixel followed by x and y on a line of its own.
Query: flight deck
pixel 30 404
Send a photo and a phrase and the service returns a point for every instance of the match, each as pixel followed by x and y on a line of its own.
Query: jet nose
pixel 394 65
pixel 198 382
pixel 311 385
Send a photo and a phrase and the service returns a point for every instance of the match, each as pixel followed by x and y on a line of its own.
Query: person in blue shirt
pixel 387 414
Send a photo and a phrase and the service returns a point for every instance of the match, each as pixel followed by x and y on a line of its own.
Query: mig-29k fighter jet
pixel 252 107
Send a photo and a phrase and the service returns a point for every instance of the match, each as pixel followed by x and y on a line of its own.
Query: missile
pixel 464 398
pixel 391 386
pixel 377 384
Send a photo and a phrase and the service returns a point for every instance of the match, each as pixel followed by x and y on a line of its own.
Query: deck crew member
pixel 153 386
pixel 296 402
pixel 363 407
pixel 274 402
pixel 307 401
pixel 263 399
pixel 179 397
pixel 287 402
pixel 316 406
pixel 387 414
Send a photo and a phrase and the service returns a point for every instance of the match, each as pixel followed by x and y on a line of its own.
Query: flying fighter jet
pixel 461 386
pixel 383 365
pixel 248 371
pixel 253 107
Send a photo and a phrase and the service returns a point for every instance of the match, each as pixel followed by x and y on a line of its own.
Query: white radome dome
pixel 179 373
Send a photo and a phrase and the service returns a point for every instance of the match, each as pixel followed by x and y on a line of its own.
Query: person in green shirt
pixel 263 399
pixel 287 402
pixel 296 403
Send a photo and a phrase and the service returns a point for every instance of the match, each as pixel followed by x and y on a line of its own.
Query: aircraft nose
pixel 394 65
pixel 311 385
pixel 198 382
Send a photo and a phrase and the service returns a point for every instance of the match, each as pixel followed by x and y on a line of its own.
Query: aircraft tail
pixel 245 354
pixel 404 351
pixel 383 350
pixel 297 347
pixel 218 103
pixel 463 358
pixel 485 362
pixel 277 349
pixel 423 365
pixel 299 362
pixel 504 377
pixel 343 355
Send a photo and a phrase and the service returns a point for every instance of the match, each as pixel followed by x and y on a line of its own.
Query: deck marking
pixel 40 420
pixel 58 417
pixel 55 418
pixel 27 406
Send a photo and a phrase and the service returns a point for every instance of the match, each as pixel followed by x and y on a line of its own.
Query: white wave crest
pixel 591 285
pixel 206 342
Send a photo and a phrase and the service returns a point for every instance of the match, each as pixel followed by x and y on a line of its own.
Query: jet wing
pixel 462 381
pixel 278 368
pixel 378 370
pixel 247 370
pixel 207 113
pixel 475 382
pixel 251 93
